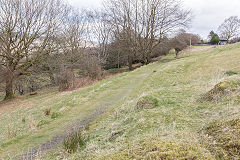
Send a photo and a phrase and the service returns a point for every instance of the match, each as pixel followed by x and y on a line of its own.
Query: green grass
pixel 230 73
pixel 1 96
pixel 170 130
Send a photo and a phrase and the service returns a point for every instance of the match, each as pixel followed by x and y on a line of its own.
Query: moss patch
pixel 224 138
pixel 221 90
pixel 147 102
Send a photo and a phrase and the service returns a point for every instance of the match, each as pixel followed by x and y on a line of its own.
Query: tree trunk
pixel 130 62
pixel 52 78
pixel 149 54
pixel 118 60
pixel 148 58
pixel 9 85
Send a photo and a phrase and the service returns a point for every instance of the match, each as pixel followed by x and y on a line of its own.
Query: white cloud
pixel 209 14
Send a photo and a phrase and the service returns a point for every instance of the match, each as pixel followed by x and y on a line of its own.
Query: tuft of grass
pixel 42 122
pixel 74 141
pixel 147 102
pixel 55 115
pixel 23 120
pixel 115 135
pixel 231 73
pixel 12 132
pixel 47 112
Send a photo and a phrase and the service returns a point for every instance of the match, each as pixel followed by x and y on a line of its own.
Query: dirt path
pixel 78 125
pixel 108 103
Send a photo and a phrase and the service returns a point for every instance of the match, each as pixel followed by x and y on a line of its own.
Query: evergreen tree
pixel 215 39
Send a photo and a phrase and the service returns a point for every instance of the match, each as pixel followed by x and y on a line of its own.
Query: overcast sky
pixel 208 14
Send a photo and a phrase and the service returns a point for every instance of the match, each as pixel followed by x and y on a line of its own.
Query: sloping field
pixel 186 108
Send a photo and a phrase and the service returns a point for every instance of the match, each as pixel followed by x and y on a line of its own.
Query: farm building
pixel 223 42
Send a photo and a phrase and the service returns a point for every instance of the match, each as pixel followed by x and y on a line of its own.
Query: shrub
pixel 74 141
pixel 66 79
pixel 172 51
pixel 90 67
pixel 147 102
pixel 31 82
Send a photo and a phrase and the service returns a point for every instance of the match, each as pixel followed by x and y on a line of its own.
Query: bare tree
pixel 72 49
pixel 101 34
pixel 26 27
pixel 182 40
pixel 72 40
pixel 141 25
pixel 230 28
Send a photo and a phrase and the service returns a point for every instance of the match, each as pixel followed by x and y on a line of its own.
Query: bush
pixel 31 83
pixel 172 51
pixel 66 79
pixel 74 141
pixel 90 67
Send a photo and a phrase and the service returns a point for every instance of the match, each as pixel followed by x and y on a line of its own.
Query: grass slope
pixel 172 129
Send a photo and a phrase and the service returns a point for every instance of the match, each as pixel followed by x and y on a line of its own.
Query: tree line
pixel 50 38
pixel 229 30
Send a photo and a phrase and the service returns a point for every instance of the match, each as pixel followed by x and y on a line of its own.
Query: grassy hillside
pixel 159 111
